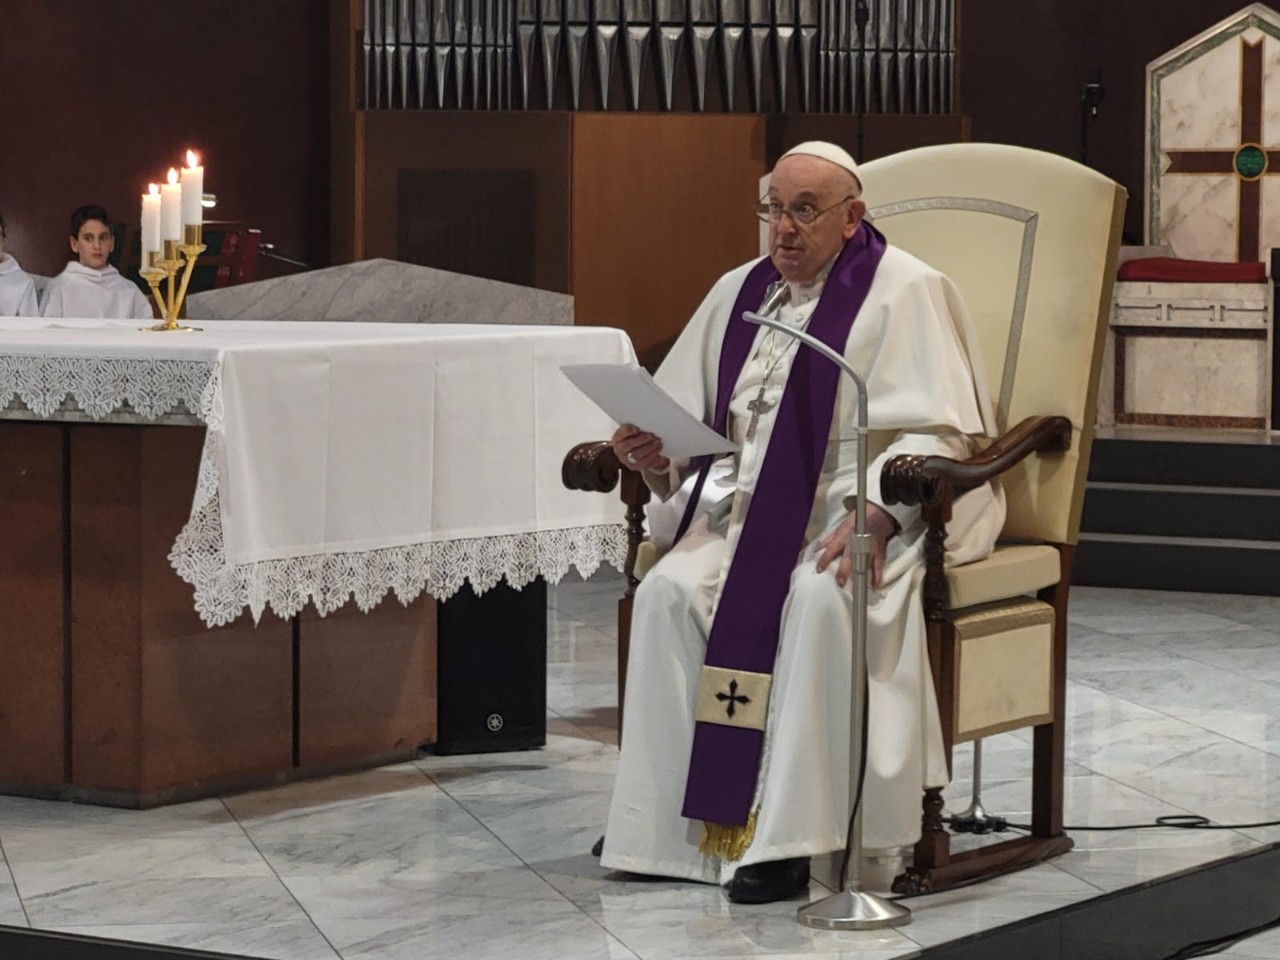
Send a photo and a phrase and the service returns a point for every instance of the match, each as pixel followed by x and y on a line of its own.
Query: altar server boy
pixel 17 289
pixel 90 287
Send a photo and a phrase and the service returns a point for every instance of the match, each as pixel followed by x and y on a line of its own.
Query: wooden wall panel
pixel 881 135
pixel 98 96
pixel 396 141
pixel 661 208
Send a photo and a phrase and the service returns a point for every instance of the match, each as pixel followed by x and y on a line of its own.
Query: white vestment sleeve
pixel 141 306
pixel 691 368
pixel 52 306
pixel 29 304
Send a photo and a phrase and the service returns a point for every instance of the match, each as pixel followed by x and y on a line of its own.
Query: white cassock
pixel 913 343
pixel 83 292
pixel 17 290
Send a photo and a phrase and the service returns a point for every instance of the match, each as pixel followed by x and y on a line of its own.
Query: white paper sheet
pixel 629 395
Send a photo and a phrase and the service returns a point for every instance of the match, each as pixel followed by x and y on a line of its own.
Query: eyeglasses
pixel 805 215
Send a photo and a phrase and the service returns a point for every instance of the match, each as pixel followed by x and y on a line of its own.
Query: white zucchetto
pixel 825 151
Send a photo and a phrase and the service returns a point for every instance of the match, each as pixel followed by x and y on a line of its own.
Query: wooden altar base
pixel 113 691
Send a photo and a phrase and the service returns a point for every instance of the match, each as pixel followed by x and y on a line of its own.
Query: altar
pixel 202 531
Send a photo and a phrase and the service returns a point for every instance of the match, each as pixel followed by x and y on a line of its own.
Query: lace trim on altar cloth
pixel 153 389
pixel 101 386
pixel 223 591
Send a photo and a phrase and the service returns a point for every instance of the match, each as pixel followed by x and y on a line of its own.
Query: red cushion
pixel 1173 270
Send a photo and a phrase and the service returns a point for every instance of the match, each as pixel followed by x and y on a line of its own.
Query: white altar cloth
pixel 345 460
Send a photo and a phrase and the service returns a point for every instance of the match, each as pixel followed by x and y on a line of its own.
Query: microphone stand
pixel 852 908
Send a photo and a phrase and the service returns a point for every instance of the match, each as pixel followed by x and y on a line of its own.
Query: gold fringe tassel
pixel 728 842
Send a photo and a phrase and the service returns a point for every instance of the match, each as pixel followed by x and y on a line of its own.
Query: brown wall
pixel 1023 63
pixel 82 121
pixel 74 125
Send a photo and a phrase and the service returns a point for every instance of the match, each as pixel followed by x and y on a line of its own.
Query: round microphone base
pixel 853 910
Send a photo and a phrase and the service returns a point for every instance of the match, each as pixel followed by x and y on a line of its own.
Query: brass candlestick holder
pixel 164 267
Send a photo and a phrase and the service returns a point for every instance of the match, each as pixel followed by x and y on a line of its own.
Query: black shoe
pixel 767 882
pixel 597 848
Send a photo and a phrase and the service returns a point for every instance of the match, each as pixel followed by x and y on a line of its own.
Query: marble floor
pixel 1174 703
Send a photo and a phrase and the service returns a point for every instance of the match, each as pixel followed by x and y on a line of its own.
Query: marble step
pixel 1197 564
pixel 1204 463
pixel 1167 510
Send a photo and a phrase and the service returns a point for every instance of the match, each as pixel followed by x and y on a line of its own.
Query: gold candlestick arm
pixel 176 256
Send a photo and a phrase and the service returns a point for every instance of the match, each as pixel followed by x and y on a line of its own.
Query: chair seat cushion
pixel 646 556
pixel 1175 270
pixel 1011 571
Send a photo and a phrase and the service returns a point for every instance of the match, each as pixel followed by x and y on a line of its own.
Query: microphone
pixel 1092 94
pixel 779 293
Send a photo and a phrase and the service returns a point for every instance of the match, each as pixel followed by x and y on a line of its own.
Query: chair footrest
pixel 985 861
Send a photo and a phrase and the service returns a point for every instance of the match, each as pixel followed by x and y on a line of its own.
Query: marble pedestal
pixel 1188 354
pixel 384 291
pixel 113 691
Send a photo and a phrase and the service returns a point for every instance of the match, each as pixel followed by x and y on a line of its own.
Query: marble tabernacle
pixel 384 291
pixel 1197 352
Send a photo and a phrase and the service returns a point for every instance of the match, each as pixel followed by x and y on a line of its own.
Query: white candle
pixel 192 191
pixel 171 208
pixel 150 221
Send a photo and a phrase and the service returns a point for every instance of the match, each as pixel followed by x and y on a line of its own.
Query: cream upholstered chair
pixel 1032 240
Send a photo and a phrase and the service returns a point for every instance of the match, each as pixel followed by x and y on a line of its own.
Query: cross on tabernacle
pixel 1250 162
pixel 758 407
pixel 733 697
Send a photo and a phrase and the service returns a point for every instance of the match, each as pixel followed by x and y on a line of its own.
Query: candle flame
pixel 173 176
pixel 193 159
pixel 153 188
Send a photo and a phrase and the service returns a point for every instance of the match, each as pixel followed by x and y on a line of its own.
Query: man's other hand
pixel 837 547
pixel 637 450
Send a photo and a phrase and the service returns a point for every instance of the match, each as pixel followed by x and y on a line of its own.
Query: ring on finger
pixel 631 458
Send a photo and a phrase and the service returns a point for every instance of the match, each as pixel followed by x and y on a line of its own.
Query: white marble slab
pixel 1238 306
pixel 1200 103
pixel 291 940
pixel 487 856
pixel 1198 91
pixel 492 931
pixel 220 900
pixel 46 864
pixel 21 817
pixel 385 291
pixel 699 921
pixel 11 912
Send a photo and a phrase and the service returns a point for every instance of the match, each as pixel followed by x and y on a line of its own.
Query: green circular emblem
pixel 1251 162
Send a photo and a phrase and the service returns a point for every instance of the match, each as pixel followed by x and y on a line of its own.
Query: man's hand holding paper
pixel 653 427
pixel 638 450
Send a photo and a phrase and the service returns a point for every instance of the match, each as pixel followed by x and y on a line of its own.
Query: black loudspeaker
pixel 492 669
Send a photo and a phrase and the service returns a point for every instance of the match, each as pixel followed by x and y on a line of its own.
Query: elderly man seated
pixel 735 761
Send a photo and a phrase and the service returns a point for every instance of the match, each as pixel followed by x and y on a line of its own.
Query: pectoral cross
pixel 758 407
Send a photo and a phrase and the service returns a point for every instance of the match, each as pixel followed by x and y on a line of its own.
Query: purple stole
pixel 725 762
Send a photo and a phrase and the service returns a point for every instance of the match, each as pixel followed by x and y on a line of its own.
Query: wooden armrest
pixel 930 481
pixel 594 467
pixel 591 466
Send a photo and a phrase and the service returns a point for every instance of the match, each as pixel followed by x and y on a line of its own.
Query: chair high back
pixel 1018 231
